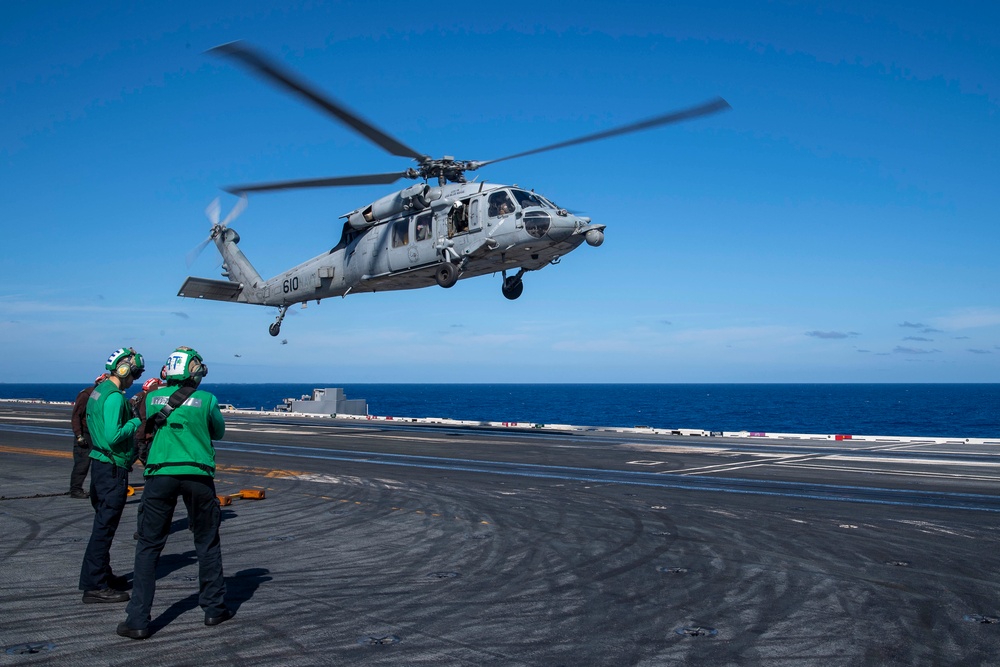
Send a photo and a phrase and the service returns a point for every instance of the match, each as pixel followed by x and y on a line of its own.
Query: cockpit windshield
pixel 526 199
pixel 500 204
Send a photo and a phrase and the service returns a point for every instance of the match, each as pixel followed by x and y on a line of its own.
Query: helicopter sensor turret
pixel 593 234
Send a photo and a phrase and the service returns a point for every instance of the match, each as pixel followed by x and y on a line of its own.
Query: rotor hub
pixel 446 170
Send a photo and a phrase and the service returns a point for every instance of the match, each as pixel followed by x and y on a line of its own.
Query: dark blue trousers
pixel 159 498
pixel 81 465
pixel 108 492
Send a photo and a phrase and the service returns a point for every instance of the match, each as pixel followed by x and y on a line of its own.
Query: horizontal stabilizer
pixel 215 290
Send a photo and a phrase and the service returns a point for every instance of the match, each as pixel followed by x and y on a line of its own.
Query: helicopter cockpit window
pixel 423 230
pixel 526 199
pixel 500 204
pixel 400 233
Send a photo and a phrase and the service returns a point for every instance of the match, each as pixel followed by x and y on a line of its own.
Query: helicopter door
pixel 422 249
pixel 460 218
pixel 399 244
pixel 474 222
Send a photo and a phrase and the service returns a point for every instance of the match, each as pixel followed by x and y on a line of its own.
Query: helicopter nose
pixel 562 227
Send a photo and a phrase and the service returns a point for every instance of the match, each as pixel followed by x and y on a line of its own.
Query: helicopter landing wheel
pixel 512 287
pixel 275 327
pixel 446 274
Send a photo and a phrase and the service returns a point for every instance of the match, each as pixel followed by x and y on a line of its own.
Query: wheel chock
pixel 246 494
pixel 133 489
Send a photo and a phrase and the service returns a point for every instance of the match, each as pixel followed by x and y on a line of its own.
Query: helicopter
pixel 437 231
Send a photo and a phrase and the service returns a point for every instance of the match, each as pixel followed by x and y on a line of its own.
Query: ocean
pixel 927 410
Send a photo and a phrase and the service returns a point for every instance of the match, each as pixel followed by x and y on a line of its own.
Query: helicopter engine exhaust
pixel 414 198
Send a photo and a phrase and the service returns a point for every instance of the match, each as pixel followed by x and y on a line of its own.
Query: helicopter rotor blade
pixel 212 211
pixel 367 179
pixel 195 252
pixel 710 107
pixel 277 74
pixel 237 209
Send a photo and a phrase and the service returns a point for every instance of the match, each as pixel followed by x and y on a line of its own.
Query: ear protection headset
pixel 126 362
pixel 196 367
pixel 185 364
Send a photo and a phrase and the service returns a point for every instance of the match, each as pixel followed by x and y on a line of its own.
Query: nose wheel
pixel 275 327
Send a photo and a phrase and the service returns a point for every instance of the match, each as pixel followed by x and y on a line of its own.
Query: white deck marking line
pixel 727 467
pixel 803 462
pixel 897 446
pixel 915 461
pixel 900 473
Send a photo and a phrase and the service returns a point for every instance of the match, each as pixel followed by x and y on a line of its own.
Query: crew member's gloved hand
pixel 80 440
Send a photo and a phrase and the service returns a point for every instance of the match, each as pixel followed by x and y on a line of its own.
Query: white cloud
pixel 969 318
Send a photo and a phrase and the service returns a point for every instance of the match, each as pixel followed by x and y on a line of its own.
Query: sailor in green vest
pixel 112 434
pixel 181 464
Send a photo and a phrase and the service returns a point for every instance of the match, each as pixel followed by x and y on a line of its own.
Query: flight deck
pixel 392 542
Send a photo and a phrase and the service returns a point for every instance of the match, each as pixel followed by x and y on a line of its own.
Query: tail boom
pixel 244 281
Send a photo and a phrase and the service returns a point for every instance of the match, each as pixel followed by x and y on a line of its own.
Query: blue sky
pixel 839 224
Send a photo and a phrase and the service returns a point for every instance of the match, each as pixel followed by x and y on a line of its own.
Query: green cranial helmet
pixel 184 364
pixel 125 361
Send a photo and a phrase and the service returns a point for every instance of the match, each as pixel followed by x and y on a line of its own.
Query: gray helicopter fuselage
pixel 482 228
pixel 417 236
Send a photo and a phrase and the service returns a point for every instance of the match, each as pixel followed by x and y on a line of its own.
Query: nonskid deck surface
pixel 407 543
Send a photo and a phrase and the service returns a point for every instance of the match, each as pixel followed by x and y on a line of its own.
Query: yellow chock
pixel 133 489
pixel 246 494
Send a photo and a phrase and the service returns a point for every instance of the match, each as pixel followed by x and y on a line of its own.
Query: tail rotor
pixel 213 211
pixel 234 213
